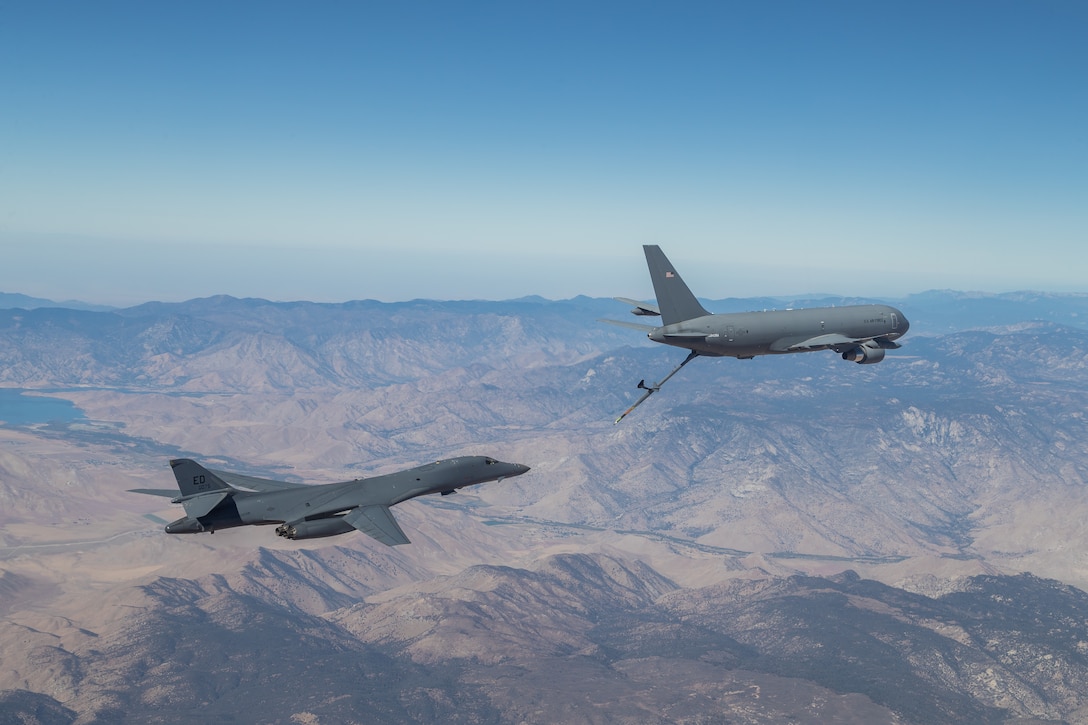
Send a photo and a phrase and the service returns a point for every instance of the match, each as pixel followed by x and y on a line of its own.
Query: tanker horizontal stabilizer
pixel 631 325
pixel 642 309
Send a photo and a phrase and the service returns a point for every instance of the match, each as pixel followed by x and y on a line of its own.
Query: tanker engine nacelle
pixel 866 353
pixel 315 529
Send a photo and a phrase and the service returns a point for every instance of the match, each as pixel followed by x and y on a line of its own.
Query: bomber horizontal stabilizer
pixel 202 503
pixel 377 521
pixel 168 493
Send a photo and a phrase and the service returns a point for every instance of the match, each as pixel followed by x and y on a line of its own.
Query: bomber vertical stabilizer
pixel 194 479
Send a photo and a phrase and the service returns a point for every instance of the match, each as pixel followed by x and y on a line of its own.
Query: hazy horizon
pixel 125 301
pixel 333 276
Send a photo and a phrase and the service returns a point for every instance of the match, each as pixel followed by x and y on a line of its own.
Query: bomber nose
pixel 520 468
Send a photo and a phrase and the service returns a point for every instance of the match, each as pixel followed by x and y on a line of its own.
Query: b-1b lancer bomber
pixel 861 333
pixel 221 500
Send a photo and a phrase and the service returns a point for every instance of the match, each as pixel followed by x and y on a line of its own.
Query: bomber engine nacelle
pixel 315 529
pixel 866 353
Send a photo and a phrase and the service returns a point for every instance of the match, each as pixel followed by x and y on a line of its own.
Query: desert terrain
pixel 793 538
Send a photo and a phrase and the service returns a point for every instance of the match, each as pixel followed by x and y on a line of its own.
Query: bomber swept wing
pixel 257 484
pixel 377 521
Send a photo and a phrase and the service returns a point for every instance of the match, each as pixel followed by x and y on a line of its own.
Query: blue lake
pixel 19 409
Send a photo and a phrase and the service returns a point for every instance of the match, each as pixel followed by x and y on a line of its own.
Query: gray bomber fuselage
pixel 773 332
pixel 244 508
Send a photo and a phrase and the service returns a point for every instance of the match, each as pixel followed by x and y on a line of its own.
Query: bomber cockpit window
pixel 490 461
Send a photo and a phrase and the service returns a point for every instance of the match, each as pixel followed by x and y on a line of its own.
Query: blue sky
pixel 334 151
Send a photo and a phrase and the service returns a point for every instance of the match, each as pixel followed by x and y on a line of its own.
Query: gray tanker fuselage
pixel 778 332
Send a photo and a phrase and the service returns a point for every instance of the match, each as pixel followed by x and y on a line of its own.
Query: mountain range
pixel 785 538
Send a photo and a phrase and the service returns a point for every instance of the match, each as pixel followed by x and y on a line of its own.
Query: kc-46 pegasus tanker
pixel 861 333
